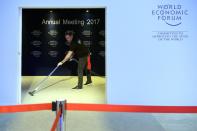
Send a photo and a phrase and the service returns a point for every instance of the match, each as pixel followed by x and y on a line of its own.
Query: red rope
pixel 56 120
pixel 25 108
pixel 131 108
pixel 101 107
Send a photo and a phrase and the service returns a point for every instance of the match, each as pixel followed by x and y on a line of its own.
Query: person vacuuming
pixel 79 50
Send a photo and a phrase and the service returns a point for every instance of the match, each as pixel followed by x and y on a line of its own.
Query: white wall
pixel 140 69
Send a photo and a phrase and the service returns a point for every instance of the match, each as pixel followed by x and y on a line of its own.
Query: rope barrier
pixel 56 120
pixel 25 108
pixel 132 108
pixel 101 107
pixel 95 107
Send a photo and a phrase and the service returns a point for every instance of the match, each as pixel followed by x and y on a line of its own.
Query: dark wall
pixel 43 43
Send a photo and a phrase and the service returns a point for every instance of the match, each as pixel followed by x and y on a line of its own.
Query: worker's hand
pixel 59 64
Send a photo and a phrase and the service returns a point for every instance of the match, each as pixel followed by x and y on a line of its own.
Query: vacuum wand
pixel 38 85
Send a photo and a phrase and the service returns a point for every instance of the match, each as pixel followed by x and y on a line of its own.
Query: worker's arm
pixel 66 58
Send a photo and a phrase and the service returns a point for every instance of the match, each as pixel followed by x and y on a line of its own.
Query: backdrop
pixel 44 45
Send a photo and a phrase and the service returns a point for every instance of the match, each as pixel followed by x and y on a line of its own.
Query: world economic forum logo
pixel 171 14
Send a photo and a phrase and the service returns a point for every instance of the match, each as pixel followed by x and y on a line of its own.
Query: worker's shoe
pixel 88 82
pixel 77 87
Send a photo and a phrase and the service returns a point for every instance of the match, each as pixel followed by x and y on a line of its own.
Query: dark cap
pixel 69 32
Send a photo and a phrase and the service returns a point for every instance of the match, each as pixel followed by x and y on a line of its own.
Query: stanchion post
pixel 57 106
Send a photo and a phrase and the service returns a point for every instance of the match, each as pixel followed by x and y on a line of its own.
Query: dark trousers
pixel 82 65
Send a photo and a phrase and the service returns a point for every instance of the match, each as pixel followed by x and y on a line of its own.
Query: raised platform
pixel 60 87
